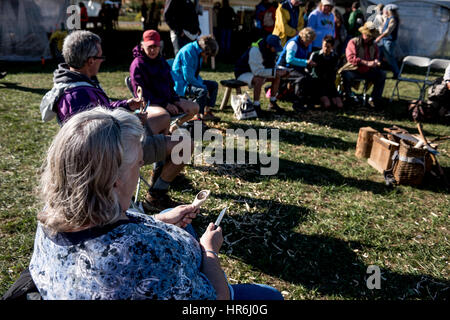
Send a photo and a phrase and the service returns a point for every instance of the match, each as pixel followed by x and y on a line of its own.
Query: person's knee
pixel 325 102
pixel 159 121
pixel 213 85
pixel 194 108
pixel 258 81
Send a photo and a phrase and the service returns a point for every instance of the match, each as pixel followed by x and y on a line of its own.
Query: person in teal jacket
pixel 186 75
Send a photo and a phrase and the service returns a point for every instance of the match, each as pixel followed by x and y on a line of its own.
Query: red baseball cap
pixel 151 37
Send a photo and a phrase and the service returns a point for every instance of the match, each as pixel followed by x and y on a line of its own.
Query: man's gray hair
pixel 87 156
pixel 79 46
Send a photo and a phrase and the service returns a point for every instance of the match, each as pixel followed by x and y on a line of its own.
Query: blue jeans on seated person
pixel 204 97
pixel 244 291
pixel 375 75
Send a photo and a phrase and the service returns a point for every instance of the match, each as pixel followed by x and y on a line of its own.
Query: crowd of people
pixel 89 244
pixel 308 47
pixel 108 16
pixel 91 172
pixel 324 49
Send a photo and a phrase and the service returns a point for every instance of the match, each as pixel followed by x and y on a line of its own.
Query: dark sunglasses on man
pixel 98 57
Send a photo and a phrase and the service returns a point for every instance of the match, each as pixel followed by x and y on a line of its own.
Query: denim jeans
pixel 251 291
pixel 247 291
pixel 225 42
pixel 204 97
pixel 388 48
pixel 376 76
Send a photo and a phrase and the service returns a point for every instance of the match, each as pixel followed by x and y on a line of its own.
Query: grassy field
pixel 311 230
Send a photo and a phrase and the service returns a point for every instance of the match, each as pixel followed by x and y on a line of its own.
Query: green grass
pixel 311 230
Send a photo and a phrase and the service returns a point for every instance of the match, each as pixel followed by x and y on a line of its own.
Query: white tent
pixel 424 26
pixel 24 25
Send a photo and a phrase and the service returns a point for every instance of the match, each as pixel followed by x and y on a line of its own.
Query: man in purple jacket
pixel 76 88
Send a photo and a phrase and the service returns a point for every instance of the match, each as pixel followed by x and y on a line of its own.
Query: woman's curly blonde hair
pixel 307 34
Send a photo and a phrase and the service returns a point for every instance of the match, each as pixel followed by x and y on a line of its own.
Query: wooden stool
pixel 230 84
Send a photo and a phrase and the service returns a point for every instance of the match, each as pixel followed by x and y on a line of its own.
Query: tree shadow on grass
pixel 294 171
pixel 16 86
pixel 297 138
pixel 265 240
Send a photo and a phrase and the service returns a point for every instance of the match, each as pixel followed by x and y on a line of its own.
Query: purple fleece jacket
pixel 154 77
pixel 81 97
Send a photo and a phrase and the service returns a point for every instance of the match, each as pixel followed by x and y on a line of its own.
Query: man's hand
pixel 180 216
pixel 373 63
pixel 172 109
pixel 135 103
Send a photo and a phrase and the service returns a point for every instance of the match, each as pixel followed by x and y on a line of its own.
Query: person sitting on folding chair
pixel 186 74
pixel 363 64
pixel 76 89
pixel 296 55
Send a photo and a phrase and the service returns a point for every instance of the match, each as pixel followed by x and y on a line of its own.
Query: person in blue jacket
pixel 296 57
pixel 186 75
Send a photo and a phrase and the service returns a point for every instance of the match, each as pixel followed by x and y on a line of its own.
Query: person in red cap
pixel 151 72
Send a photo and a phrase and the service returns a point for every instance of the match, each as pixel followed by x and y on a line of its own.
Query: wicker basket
pixel 412 170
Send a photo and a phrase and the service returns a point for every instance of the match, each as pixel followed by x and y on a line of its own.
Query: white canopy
pixel 424 26
pixel 24 25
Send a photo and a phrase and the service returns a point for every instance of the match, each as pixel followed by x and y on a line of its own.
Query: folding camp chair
pixel 416 61
pixel 435 64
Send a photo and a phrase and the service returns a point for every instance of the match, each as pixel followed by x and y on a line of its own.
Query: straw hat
pixel 369 29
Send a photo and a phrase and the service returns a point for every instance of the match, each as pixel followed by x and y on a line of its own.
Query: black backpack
pixel 23 288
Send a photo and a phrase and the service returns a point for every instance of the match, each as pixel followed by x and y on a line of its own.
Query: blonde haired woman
pixel 296 55
pixel 89 246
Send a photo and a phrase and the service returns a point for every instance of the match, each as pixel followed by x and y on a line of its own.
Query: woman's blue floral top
pixel 139 258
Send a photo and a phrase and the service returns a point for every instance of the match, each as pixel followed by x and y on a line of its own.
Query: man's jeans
pixel 388 48
pixel 204 97
pixel 376 76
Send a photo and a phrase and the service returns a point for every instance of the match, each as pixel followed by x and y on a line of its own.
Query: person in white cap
pixel 388 37
pixel 322 21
